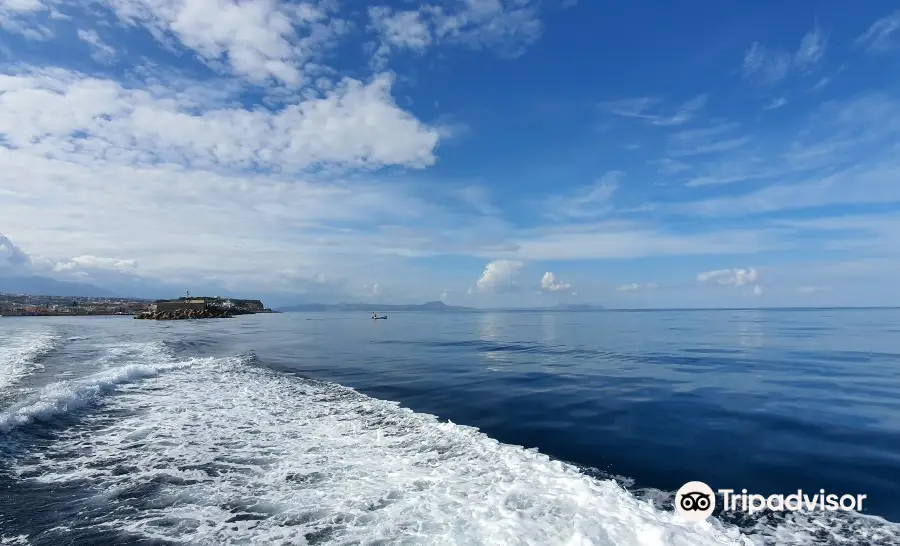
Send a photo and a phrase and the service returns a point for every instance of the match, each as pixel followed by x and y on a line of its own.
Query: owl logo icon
pixel 695 501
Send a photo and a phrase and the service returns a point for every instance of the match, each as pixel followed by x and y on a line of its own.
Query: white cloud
pixel 636 287
pixel 879 36
pixel 863 184
pixel 402 29
pixel 736 277
pixel 812 48
pixel 179 223
pixel 588 202
pixel 260 40
pixel 22 6
pixel 550 284
pixel 445 295
pixel 622 240
pixel 477 197
pixel 103 53
pixel 776 104
pixel 641 108
pixel 12 258
pixel 66 115
pixel 506 27
pixel 18 17
pixel 96 262
pixel 500 276
pixel 720 137
pixel 841 155
pixel 770 66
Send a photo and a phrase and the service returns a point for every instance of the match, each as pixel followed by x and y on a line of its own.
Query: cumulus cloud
pixel 733 277
pixel 506 27
pixel 500 276
pixel 12 258
pixel 111 274
pixel 550 284
pixel 262 41
pixel 402 29
pixel 736 277
pixel 67 115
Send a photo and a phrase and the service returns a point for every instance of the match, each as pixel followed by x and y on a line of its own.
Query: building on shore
pixel 196 303
pixel 174 305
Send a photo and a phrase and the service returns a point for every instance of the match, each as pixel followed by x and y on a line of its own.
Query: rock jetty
pixel 184 314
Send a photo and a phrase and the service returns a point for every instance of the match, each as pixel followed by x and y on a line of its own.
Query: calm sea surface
pixel 446 428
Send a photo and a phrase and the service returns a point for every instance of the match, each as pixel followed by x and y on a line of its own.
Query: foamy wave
pixel 20 539
pixel 233 454
pixel 20 355
pixel 223 453
pixel 802 528
pixel 64 396
pixel 145 353
pixel 839 528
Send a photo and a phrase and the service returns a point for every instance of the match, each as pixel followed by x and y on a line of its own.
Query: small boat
pixel 379 318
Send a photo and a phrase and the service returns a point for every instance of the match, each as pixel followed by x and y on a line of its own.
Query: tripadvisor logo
pixel 696 501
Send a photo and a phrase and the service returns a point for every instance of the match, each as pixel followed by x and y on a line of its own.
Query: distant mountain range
pixel 45 286
pixel 373 307
pixel 430 306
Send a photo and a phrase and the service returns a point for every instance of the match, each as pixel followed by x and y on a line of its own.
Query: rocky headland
pixel 188 308
pixel 184 314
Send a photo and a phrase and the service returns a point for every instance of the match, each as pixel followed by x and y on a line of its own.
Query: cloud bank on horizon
pixel 479 152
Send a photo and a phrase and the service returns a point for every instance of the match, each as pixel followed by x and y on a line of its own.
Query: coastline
pixel 186 307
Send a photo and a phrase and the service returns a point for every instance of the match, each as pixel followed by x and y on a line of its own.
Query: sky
pixel 480 152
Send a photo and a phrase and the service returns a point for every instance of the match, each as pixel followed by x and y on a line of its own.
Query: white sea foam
pixel 114 354
pixel 64 396
pixel 21 352
pixel 214 451
pixel 19 539
pixel 218 452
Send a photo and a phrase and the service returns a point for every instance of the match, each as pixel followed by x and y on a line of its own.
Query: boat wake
pixel 224 451
pixel 21 354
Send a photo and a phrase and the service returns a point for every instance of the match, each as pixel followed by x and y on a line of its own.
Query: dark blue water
pixel 244 430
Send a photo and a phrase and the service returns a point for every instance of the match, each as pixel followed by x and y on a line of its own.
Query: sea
pixel 518 427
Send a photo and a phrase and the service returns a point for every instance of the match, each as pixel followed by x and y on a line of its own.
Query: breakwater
pixel 184 314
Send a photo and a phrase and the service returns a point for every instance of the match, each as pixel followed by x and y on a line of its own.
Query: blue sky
pixel 484 152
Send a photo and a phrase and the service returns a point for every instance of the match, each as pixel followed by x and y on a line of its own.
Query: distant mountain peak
pixel 431 305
